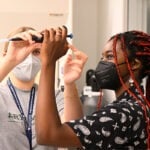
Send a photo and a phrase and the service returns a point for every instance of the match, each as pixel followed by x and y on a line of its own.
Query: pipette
pixel 34 38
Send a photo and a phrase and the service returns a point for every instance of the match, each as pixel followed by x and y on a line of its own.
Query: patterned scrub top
pixel 118 126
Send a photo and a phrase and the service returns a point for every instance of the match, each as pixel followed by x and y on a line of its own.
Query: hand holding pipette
pixel 34 38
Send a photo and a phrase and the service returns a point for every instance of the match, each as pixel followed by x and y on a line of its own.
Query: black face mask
pixel 107 76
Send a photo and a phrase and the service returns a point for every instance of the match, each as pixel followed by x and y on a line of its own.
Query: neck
pixel 121 89
pixel 23 85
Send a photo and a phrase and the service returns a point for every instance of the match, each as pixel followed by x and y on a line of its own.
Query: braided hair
pixel 137 44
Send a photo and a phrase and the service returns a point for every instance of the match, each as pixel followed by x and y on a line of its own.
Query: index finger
pixel 64 32
pixel 77 53
pixel 73 48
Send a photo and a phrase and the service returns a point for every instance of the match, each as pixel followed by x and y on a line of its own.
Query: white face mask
pixel 28 69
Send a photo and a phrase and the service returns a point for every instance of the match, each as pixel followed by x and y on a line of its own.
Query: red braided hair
pixel 138 45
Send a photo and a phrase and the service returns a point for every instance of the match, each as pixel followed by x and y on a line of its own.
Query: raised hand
pixel 54 45
pixel 74 65
pixel 18 50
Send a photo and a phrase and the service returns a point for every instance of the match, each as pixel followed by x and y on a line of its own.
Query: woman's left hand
pixel 74 65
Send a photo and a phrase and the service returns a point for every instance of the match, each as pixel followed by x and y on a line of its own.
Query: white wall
pixel 94 21
pixel 112 19
pixel 85 30
pixel 91 21
pixel 36 13
pixel 137 15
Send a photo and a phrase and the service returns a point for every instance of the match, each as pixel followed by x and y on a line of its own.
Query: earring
pixel 131 82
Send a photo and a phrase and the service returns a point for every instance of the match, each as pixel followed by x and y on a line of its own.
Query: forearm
pixel 49 129
pixel 46 111
pixel 6 66
pixel 72 103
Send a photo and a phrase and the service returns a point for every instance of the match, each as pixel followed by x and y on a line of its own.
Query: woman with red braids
pixel 123 124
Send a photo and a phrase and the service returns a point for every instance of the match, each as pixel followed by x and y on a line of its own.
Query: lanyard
pixel 28 119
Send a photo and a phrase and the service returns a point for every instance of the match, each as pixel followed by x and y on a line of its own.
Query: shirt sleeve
pixel 108 128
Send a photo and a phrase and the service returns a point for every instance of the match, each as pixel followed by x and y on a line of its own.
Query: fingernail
pixel 65 27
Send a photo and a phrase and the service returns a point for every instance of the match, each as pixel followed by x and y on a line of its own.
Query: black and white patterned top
pixel 118 126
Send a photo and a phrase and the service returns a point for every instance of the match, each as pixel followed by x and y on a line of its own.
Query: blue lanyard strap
pixel 28 119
